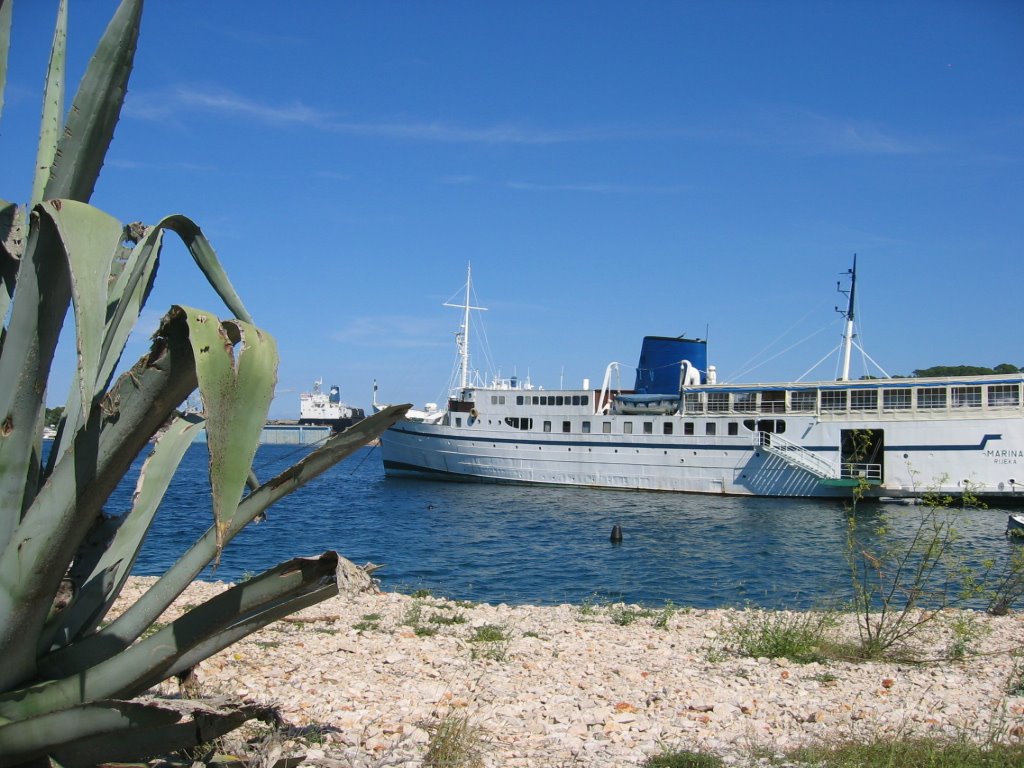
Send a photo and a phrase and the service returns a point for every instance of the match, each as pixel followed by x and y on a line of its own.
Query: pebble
pixel 568 687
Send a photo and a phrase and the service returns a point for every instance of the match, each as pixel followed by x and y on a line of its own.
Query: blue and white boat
pixel 679 430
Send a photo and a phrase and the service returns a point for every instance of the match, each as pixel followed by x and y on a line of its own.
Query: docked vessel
pixel 680 430
pixel 327 409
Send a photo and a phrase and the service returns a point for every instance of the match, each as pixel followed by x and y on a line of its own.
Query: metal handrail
pixel 795 454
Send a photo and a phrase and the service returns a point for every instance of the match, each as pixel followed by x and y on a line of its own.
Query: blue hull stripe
pixel 680 446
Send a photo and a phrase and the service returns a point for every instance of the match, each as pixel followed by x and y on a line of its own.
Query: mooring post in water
pixel 616 537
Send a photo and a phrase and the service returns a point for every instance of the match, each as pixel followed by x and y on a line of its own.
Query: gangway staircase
pixel 846 474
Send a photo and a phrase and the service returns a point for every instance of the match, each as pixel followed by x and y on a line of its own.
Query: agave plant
pixel 72 683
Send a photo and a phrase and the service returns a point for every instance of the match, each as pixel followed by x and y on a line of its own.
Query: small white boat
pixel 1015 526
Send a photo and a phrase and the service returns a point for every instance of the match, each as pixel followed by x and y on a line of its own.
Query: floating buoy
pixel 616 537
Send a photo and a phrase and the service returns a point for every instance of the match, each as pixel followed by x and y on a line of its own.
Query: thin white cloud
pixel 785 127
pixel 458 180
pixel 810 132
pixel 180 101
pixel 600 188
pixel 395 331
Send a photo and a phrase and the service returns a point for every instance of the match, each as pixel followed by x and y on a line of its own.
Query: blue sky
pixel 610 169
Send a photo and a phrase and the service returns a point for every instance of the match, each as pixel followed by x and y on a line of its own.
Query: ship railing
pixel 795 455
pixel 856 471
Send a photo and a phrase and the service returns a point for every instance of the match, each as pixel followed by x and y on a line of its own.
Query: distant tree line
pixel 53 416
pixel 966 370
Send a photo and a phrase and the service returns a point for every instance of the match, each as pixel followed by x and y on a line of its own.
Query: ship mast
pixel 848 314
pixel 462 337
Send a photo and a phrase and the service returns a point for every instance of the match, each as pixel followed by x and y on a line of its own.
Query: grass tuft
pixel 683 758
pixel 928 752
pixel 454 743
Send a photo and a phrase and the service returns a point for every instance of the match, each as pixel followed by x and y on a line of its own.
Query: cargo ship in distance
pixel 327 409
pixel 680 430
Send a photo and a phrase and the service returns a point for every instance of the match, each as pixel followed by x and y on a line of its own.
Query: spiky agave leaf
pixel 95 108
pixel 252 604
pixel 131 281
pixel 53 105
pixel 121 731
pixel 126 628
pixel 36 318
pixel 236 388
pixel 104 561
pixel 45 540
pixel 5 45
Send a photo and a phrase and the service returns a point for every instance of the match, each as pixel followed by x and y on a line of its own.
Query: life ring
pixel 474 414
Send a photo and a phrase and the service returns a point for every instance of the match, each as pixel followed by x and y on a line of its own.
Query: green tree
pixel 71 680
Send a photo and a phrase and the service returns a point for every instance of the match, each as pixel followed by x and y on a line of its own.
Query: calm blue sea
pixel 517 544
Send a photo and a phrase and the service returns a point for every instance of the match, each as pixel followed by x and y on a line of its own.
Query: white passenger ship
pixel 679 430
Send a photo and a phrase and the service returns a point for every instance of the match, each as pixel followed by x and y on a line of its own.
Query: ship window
pixel 745 401
pixel 627 427
pixel 586 427
pixel 584 399
pixel 931 397
pixel 519 399
pixel 734 428
pixel 780 426
pixel 710 428
pixel 606 427
pixel 547 426
pixel 896 399
pixel 967 397
pixel 648 427
pixel 833 400
pixel 748 424
pixel 667 427
pixel 1003 394
pixel 864 399
pixel 773 401
pixel 565 426
pixel 536 400
pixel 688 428
pixel 575 399
pixel 803 399
pixel 559 400
pixel 718 401
pixel 458 421
pixel 517 423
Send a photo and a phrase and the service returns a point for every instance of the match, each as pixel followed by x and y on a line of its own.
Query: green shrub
pixel 800 637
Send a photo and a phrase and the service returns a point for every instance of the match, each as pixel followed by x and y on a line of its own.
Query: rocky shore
pixel 366 679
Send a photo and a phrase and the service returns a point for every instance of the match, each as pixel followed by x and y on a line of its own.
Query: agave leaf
pixel 10 235
pixel 130 284
pixel 95 108
pixel 60 516
pixel 36 317
pixel 5 45
pixel 101 567
pixel 198 245
pixel 53 104
pixel 123 630
pixel 258 601
pixel 5 7
pixel 108 731
pixel 90 239
pixel 236 388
